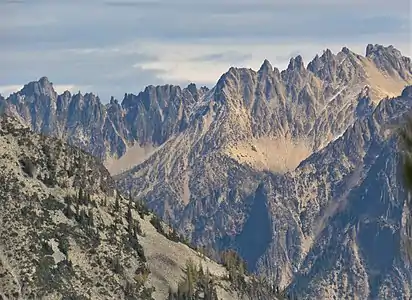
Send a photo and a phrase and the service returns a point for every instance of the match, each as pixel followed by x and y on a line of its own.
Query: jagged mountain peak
pixel 296 63
pixel 295 72
pixel 114 109
pixel 153 88
pixel 327 54
pixel 204 89
pixel 377 49
pixel 44 81
pixel 158 98
pixel 382 55
pixel 41 87
pixel 345 50
pixel 326 60
pixel 113 100
pixel 266 67
pixel 226 79
pixel 232 70
pixel 390 60
pixel 87 104
pixel 86 97
pixel 66 93
pixel 192 88
pixel 235 72
pixel 196 92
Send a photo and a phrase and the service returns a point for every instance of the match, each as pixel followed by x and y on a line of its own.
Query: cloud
pixel 115 47
pixel 6 90
pixel 227 57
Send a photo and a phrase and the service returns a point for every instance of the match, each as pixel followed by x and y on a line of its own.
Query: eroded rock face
pixel 105 131
pixel 341 211
pixel 296 142
pixel 390 60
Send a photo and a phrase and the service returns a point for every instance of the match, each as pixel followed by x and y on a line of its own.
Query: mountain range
pixel 283 166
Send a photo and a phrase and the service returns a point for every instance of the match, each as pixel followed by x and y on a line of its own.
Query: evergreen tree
pixel 67 210
pixel 117 204
pixel 91 218
pixel 129 216
pixel 80 196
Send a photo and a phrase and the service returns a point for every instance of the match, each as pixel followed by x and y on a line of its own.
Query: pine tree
pixel 129 216
pixel 91 218
pixel 67 210
pixel 82 218
pixel 171 294
pixel 116 265
pixel 201 273
pixel 117 204
pixel 190 278
pixel 80 196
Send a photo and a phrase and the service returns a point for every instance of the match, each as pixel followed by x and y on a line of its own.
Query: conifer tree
pixel 80 196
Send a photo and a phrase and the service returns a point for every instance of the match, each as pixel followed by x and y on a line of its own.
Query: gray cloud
pixel 108 73
pixel 229 57
pixel 36 36
pixel 102 23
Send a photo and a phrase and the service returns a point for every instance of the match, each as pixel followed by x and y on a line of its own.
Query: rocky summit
pixel 296 169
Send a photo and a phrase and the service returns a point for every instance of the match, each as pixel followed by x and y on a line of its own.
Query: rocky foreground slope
pixel 66 233
pixel 282 165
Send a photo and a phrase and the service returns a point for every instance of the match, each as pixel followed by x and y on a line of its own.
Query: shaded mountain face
pixel 67 233
pixel 105 131
pixel 204 159
pixel 339 220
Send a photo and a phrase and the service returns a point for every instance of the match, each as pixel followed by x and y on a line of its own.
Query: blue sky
pixel 112 47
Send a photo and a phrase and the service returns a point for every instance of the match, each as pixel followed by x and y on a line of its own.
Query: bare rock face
pixel 390 60
pixel 285 154
pixel 342 216
pixel 106 131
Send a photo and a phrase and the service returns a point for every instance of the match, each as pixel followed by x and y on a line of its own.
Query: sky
pixel 115 47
